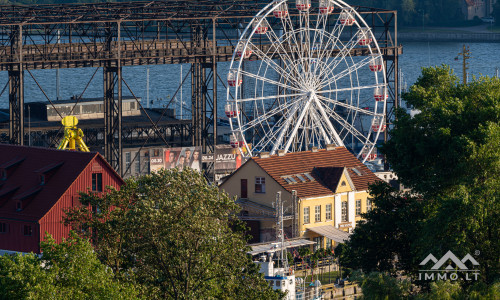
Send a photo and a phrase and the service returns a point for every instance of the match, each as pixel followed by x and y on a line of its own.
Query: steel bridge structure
pixel 110 36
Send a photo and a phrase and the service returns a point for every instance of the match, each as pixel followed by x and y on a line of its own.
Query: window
pixel 42 179
pixel 289 179
pixel 138 163
pixel 306 215
pixel 301 178
pixel 27 230
pixel 260 185
pixel 97 182
pixel 344 211
pixel 358 207
pixel 328 211
pixel 343 183
pixel 278 283
pixel 309 176
pixel 317 213
pixel 19 205
pixel 328 243
pixel 3 227
pixel 368 205
pixel 317 241
pixel 128 158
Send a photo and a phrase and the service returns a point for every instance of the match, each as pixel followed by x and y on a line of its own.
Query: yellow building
pixel 324 192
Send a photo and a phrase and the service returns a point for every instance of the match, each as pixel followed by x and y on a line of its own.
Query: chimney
pixel 264 154
pixel 314 149
pixel 330 147
pixel 281 152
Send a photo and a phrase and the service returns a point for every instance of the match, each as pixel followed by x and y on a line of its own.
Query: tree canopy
pixel 449 155
pixel 69 270
pixel 176 234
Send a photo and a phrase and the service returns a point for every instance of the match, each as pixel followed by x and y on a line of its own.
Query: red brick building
pixel 36 184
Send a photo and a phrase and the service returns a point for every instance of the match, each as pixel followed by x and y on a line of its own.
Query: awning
pixel 331 232
pixel 275 246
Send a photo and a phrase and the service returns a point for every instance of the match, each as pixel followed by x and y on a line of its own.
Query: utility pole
pixel 465 64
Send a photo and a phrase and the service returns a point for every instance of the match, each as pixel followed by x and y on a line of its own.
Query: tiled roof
pixel 324 165
pixel 24 166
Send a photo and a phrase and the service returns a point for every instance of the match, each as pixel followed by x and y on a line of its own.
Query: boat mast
pixel 280 236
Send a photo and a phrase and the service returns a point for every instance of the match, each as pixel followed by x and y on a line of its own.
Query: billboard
pixel 227 159
pixel 180 158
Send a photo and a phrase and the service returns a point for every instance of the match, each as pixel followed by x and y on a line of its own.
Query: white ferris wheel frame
pixel 312 97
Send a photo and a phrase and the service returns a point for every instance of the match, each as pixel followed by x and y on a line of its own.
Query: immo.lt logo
pixel 449 267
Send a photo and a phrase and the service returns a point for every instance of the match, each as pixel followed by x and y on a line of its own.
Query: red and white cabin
pixel 376 127
pixel 236 142
pixel 376 63
pixel 303 5
pixel 242 52
pixel 232 110
pixel 260 26
pixel 234 79
pixel 380 94
pixel 346 18
pixel 369 156
pixel 325 7
pixel 364 37
pixel 281 11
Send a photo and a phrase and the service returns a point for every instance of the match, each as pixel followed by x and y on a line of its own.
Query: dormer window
pixel 19 205
pixel 42 179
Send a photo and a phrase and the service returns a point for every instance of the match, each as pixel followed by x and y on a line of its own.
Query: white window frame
pixel 317 213
pixel 307 215
pixel 328 212
pixel 345 211
pixel 262 182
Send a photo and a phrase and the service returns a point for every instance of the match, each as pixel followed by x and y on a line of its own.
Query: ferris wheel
pixel 295 81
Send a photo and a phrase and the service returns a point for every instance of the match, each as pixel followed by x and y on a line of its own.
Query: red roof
pixel 325 166
pixel 23 167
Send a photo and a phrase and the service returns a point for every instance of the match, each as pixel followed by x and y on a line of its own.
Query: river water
pixel 165 79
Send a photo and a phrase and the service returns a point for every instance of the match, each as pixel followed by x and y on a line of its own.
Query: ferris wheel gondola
pixel 307 88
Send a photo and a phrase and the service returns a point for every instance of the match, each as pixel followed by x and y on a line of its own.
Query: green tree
pixel 69 270
pixel 388 232
pixel 381 286
pixel 449 154
pixel 178 236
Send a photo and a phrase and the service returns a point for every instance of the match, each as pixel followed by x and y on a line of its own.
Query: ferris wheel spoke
pixel 348 126
pixel 345 72
pixel 340 56
pixel 329 125
pixel 273 97
pixel 319 124
pixel 331 41
pixel 282 52
pixel 271 63
pixel 298 123
pixel 354 88
pixel 270 113
pixel 261 78
pixel 348 106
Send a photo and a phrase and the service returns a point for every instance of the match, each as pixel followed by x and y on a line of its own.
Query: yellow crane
pixel 72 135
